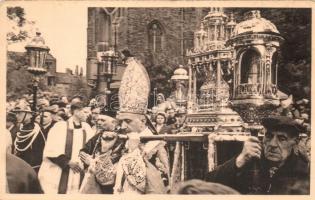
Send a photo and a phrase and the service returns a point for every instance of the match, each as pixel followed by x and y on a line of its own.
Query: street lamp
pixel 107 69
pixel 37 52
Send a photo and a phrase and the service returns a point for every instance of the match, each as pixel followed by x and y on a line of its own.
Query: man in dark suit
pixel 280 166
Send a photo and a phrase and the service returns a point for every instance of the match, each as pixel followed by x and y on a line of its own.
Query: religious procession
pixel 230 118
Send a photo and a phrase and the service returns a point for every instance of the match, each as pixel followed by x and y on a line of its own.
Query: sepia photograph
pixel 173 99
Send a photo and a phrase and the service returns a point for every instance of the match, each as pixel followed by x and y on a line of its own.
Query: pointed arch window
pixel 156 36
pixel 103 30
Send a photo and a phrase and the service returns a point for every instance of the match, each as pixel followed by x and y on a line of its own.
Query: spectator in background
pixel 43 103
pixel 152 113
pixel 160 125
pixel 170 114
pixel 64 99
pixel 61 115
pixel 180 117
pixel 54 99
pixel 87 112
pixel 287 112
pixel 53 109
pixel 95 112
pixel 47 121
pixel 77 98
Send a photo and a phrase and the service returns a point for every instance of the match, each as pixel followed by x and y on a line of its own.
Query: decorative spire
pixel 76 72
pixel 81 71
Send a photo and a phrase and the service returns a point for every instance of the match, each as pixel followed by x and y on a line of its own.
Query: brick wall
pixel 178 26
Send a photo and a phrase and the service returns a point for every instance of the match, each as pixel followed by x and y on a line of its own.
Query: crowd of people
pixel 69 146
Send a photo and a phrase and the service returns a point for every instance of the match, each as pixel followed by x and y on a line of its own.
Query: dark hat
pixel 22 106
pixel 76 106
pixel 126 53
pixel 181 111
pixel 79 96
pixel 63 115
pixel 52 109
pixel 282 123
pixel 62 104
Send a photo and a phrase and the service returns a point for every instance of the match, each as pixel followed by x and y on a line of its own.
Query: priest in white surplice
pixel 61 171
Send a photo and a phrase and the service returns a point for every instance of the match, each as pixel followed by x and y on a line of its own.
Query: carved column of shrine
pixel 189 80
pixel 195 83
pixel 215 32
pixel 218 81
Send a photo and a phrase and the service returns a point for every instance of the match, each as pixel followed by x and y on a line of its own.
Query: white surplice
pixel 50 173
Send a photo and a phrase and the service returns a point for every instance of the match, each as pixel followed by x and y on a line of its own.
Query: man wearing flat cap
pixel 280 166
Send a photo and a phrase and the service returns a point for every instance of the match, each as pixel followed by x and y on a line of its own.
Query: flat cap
pixel 52 109
pixel 22 106
pixel 76 105
pixel 282 123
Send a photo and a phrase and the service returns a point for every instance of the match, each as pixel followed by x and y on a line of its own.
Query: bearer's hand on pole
pixel 74 166
pixel 133 141
pixel 86 158
pixel 251 149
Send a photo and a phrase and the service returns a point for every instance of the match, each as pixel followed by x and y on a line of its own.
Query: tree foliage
pixel 19 80
pixel 79 86
pixel 160 68
pixel 18 30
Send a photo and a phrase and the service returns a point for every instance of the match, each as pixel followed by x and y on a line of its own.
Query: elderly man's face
pixel 180 119
pixel 132 122
pixel 95 114
pixel 278 145
pixel 106 123
pixel 108 140
pixel 171 113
